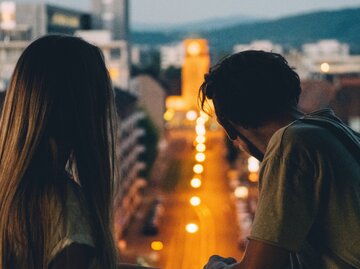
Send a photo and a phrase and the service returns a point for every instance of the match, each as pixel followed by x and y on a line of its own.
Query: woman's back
pixel 57 113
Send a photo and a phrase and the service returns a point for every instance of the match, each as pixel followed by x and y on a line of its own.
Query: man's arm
pixel 258 255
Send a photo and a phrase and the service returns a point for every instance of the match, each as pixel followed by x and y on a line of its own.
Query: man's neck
pixel 262 135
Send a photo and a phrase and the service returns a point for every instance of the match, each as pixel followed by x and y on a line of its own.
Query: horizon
pixel 177 12
pixel 299 13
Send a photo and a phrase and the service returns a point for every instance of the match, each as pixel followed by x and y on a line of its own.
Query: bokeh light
pixel 195 182
pixel 157 245
pixel 192 228
pixel 325 67
pixel 195 201
pixel 200 147
pixel 253 164
pixel 200 121
pixel 200 139
pixel 241 192
pixel 191 115
pixel 253 177
pixel 200 129
pixel 200 157
pixel 169 114
pixel 198 168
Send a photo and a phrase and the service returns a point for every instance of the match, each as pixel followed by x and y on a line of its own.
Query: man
pixel 308 214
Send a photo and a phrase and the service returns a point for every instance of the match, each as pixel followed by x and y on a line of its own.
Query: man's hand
pixel 218 262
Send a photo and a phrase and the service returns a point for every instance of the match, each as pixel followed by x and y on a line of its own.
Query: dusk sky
pixel 181 11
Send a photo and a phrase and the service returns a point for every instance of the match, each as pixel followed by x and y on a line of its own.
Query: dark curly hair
pixel 251 87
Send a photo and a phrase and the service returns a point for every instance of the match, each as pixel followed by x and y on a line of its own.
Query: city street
pixel 215 215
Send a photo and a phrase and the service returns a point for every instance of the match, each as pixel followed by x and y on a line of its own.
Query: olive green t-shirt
pixel 309 201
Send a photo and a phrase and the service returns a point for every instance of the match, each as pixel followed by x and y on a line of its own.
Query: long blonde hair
pixel 60 89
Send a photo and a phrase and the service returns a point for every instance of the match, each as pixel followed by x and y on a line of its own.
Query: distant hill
pixel 205 25
pixel 343 25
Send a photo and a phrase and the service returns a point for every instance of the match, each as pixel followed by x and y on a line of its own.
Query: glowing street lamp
pixel 200 139
pixel 191 115
pixel 195 182
pixel 325 67
pixel 200 157
pixel 191 228
pixel 253 165
pixel 253 177
pixel 200 147
pixel 200 121
pixel 198 168
pixel 195 201
pixel 241 192
pixel 157 245
pixel 200 129
pixel 169 114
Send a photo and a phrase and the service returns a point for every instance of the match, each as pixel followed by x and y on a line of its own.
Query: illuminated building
pixel 196 64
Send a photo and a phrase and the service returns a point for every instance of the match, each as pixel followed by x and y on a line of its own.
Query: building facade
pixel 27 21
pixel 112 15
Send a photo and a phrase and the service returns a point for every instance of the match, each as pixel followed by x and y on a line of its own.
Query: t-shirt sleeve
pixel 289 195
pixel 75 227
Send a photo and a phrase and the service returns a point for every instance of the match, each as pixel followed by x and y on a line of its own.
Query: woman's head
pixel 58 107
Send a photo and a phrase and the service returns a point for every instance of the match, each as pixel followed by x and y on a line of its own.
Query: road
pixel 215 216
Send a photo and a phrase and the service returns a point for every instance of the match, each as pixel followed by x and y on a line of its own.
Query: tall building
pixel 112 15
pixel 27 21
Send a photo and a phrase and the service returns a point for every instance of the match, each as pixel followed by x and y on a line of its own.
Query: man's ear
pixel 230 130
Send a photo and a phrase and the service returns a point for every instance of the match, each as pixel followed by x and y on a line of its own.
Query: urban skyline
pixel 178 12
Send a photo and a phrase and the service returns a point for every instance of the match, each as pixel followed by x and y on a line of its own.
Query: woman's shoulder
pixel 74 221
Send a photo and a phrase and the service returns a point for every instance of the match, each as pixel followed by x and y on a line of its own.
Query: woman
pixel 56 159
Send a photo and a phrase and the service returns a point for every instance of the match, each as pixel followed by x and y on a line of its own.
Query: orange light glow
pixel 157 245
pixel 195 201
pixel 198 168
pixel 200 147
pixel 192 228
pixel 241 192
pixel 200 139
pixel 253 177
pixel 200 157
pixel 195 182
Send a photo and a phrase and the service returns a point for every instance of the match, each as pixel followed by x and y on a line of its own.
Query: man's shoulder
pixel 300 132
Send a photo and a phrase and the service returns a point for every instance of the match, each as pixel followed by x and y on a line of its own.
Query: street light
pixel 253 165
pixel 195 182
pixel 192 228
pixel 200 129
pixel 191 115
pixel 200 121
pixel 157 245
pixel 325 67
pixel 200 157
pixel 200 147
pixel 241 192
pixel 195 201
pixel 169 114
pixel 200 139
pixel 198 168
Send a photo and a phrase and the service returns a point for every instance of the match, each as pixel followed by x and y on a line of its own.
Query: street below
pixel 212 217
